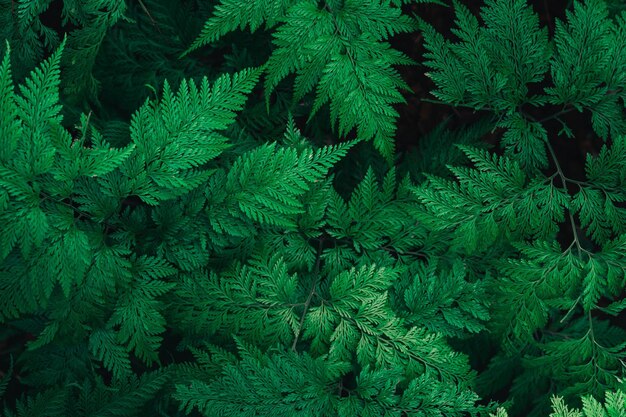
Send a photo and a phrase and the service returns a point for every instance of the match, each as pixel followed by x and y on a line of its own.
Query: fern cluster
pixel 205 209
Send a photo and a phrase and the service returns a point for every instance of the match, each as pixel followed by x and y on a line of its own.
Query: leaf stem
pixel 564 182
pixel 307 303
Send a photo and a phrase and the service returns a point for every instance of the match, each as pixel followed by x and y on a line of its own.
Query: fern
pixel 95 18
pixel 246 303
pixel 138 317
pixel 167 135
pixel 615 405
pixel 444 300
pixel 376 211
pixel 214 208
pixel 273 386
pixel 261 197
pixel 590 80
pixel 105 346
pixel 544 284
pixel 494 199
pixel 597 201
pixel 338 47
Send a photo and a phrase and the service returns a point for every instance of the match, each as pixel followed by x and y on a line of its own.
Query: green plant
pixel 552 301
pixel 615 406
pixel 179 238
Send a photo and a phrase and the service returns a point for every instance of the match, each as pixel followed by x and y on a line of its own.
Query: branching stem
pixel 564 182
pixel 312 292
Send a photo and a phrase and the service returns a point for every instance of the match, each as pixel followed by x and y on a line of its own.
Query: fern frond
pixel 490 66
pixel 277 384
pixel 341 50
pixel 177 135
pixel 257 301
pixel 517 46
pixel 356 317
pixel 444 301
pixel 9 125
pixel 585 65
pixel 371 218
pixel 233 14
pixel 104 345
pixel 336 47
pixel 271 196
pixel 495 198
pixel 95 17
pixel 525 142
pixel 531 284
pixel 38 104
pixel 137 312
pixel 598 201
pixel 123 398
pixel 47 403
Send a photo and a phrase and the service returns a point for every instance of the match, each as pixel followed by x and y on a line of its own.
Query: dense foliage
pixel 205 210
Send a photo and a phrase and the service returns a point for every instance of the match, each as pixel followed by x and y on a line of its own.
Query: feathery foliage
pixel 337 48
pixel 215 208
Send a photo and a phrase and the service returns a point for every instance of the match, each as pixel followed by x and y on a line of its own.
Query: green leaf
pixel 176 136
pixel 38 104
pixel 272 195
pixel 10 127
pixel 273 384
pixel 560 409
pixel 517 46
pixel 257 301
pixel 104 345
pixel 525 142
pixel 230 15
pixel 138 315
